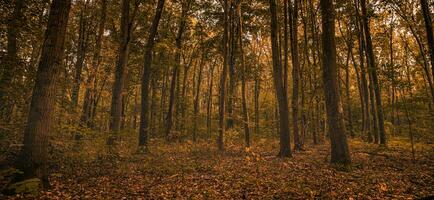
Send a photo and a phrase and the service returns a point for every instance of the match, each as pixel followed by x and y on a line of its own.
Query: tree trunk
pixel 339 146
pixel 197 97
pixel 223 77
pixel 243 77
pixel 373 72
pixel 11 60
pixel 81 54
pixel 90 86
pixel 33 158
pixel 144 120
pixel 170 112
pixel 429 32
pixel 279 84
pixel 121 68
pixel 209 102
pixel 293 14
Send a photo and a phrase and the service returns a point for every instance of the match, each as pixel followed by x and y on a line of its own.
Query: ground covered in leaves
pixel 198 171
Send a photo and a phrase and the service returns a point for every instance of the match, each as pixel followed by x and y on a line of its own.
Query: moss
pixel 29 186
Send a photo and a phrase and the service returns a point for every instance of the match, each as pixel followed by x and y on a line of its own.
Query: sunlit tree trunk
pixel 339 146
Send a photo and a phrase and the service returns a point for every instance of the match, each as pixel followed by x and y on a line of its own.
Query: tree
pixel 90 93
pixel 223 77
pixel 373 74
pixel 34 154
pixel 339 147
pixel 144 114
pixel 429 32
pixel 279 84
pixel 11 60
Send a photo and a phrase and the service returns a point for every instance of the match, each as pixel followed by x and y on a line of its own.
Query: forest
pixel 216 99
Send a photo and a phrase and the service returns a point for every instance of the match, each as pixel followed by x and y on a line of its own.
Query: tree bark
pixel 243 77
pixel 429 32
pixel 33 157
pixel 121 68
pixel 339 146
pixel 373 72
pixel 279 84
pixel 144 119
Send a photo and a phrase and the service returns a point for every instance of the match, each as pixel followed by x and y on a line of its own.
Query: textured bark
pixel 339 146
pixel 144 119
pixel 90 83
pixel 11 61
pixel 373 73
pixel 121 68
pixel 293 15
pixel 33 158
pixel 223 77
pixel 279 84
pixel 243 78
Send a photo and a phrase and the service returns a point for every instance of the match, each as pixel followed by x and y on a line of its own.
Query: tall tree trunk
pixel 279 84
pixel 232 76
pixel 429 32
pixel 144 120
pixel 373 72
pixel 34 154
pixel 121 68
pixel 293 14
pixel 339 146
pixel 209 101
pixel 197 97
pixel 81 54
pixel 10 62
pixel 170 112
pixel 90 86
pixel 243 77
pixel 223 77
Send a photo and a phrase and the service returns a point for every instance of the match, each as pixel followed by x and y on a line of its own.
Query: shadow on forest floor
pixel 198 171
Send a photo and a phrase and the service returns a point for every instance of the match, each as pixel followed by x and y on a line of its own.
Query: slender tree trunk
pixel 197 97
pixel 121 68
pixel 34 154
pixel 339 146
pixel 232 76
pixel 243 77
pixel 373 71
pixel 81 54
pixel 281 93
pixel 144 120
pixel 209 102
pixel 170 112
pixel 293 14
pixel 11 61
pixel 429 32
pixel 90 86
pixel 223 77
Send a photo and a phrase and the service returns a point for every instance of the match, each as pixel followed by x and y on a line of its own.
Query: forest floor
pixel 199 171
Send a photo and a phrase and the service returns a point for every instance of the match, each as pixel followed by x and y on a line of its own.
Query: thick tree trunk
pixel 90 84
pixel 144 119
pixel 279 84
pixel 339 146
pixel 33 158
pixel 121 68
